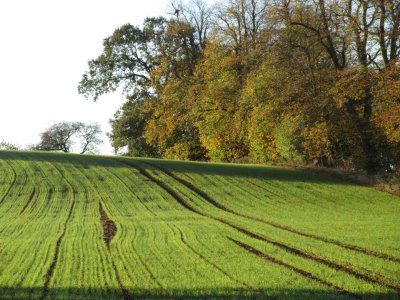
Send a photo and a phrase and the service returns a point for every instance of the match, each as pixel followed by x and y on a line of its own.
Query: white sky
pixel 44 49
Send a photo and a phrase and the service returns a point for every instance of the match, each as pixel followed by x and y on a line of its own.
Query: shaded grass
pixel 93 293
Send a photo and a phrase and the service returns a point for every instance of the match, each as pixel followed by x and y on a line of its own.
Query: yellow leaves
pixel 350 85
pixel 316 141
pixel 178 151
pixel 387 103
pixel 388 119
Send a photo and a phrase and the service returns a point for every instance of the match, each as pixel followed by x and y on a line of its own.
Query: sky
pixel 44 49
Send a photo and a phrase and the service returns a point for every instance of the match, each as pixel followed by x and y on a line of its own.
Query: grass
pixel 190 230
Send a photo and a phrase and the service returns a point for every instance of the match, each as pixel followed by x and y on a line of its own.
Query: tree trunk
pixel 370 155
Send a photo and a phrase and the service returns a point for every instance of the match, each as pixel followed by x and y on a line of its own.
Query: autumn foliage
pixel 251 80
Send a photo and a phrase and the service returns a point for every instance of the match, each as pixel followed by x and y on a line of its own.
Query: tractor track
pixel 151 274
pixel 303 273
pixel 109 231
pixel 132 191
pixel 208 261
pixel 24 171
pixel 181 238
pixel 367 277
pixel 53 264
pixel 12 182
pixel 29 200
pixel 124 291
pixel 168 189
pixel 50 271
pixel 215 203
pixel 370 277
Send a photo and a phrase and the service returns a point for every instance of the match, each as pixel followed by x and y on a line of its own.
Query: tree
pixel 238 23
pixel 8 146
pixel 220 123
pixel 151 64
pixel 60 137
pixel 356 36
pixel 129 57
pixel 197 14
pixel 304 81
pixel 128 130
pixel 88 135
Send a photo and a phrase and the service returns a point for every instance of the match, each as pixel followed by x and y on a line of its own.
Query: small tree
pixel 89 137
pixel 8 146
pixel 58 137
pixel 61 137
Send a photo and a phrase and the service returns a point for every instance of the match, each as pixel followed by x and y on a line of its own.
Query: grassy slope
pixel 190 229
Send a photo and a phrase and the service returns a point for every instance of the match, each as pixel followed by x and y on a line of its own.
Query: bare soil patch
pixel 109 227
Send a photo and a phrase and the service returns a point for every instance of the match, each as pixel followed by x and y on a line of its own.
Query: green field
pixel 90 227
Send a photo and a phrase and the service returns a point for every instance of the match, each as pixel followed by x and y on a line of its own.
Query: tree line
pixel 303 81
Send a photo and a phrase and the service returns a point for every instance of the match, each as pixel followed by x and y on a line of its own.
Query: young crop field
pixel 94 227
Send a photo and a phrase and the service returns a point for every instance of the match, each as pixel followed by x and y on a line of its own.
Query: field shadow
pixel 221 169
pixel 85 161
pixel 226 293
pixel 251 171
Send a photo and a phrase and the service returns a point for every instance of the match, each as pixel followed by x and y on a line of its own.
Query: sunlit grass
pixel 51 238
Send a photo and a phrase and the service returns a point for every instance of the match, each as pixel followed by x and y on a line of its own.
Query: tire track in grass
pixel 125 292
pixel 335 242
pixel 133 192
pixel 35 203
pixel 367 277
pixel 303 273
pixel 370 277
pixel 146 267
pixel 12 182
pixel 209 261
pixel 44 180
pixel 29 200
pixel 109 231
pixel 168 189
pixel 265 189
pixel 215 203
pixel 50 271
pixel 183 241
pixel 151 274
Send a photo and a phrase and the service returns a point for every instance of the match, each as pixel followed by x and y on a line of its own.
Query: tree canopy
pixel 255 80
pixel 63 135
pixel 4 145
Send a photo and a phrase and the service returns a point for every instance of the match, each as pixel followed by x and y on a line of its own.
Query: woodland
pixel 298 81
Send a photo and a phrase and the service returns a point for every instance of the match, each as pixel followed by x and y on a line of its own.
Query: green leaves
pixel 127 60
